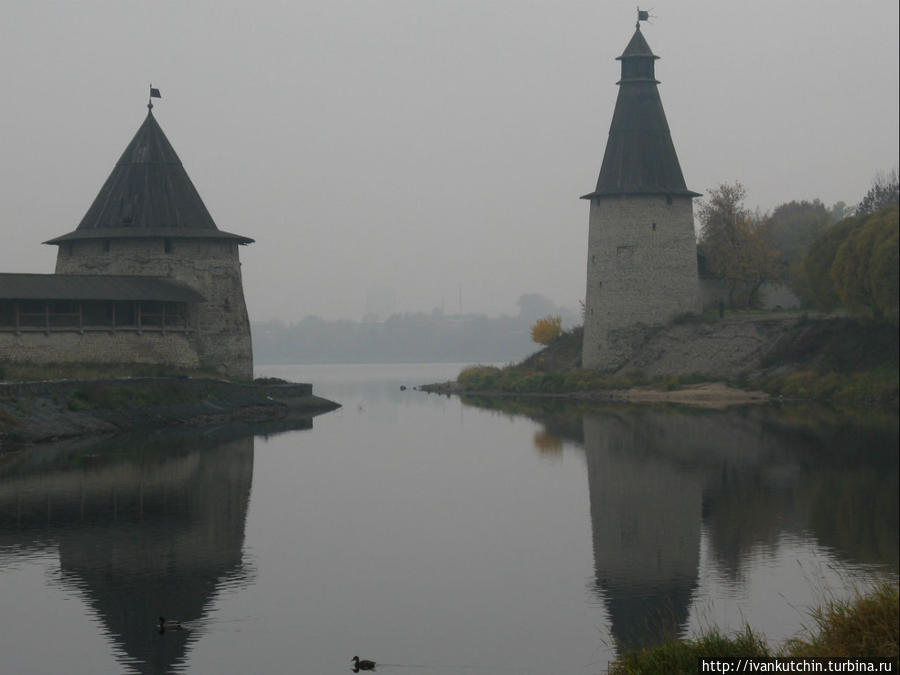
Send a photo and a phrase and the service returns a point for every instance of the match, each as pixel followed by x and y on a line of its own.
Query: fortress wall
pixel 211 266
pixel 100 347
pixel 641 271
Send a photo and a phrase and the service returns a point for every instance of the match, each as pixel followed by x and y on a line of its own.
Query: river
pixel 436 535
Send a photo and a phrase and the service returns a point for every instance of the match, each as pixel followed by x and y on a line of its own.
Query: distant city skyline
pixel 428 150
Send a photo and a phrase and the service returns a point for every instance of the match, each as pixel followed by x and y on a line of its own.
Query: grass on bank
pixel 518 380
pixel 102 395
pixel 879 388
pixel 872 388
pixel 867 626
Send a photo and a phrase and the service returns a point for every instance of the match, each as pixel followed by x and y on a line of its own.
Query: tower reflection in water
pixel 660 480
pixel 143 527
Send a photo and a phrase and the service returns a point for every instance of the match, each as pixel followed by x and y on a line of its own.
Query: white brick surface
pixel 641 271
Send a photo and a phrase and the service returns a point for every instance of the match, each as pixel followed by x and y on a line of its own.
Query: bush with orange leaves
pixel 546 330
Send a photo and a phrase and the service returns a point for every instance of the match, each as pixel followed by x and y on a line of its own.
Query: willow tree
pixel 865 267
pixel 855 264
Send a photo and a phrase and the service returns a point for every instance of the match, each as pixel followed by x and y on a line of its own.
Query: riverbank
pixel 715 362
pixel 35 412
pixel 710 395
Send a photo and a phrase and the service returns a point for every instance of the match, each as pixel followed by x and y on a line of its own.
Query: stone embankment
pixel 32 412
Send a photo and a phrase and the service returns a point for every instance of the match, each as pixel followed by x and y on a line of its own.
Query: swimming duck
pixel 364 664
pixel 170 624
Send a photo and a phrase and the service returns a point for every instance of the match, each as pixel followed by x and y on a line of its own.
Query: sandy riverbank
pixel 711 395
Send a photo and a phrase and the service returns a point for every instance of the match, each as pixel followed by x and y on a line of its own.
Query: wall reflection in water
pixel 144 527
pixel 660 478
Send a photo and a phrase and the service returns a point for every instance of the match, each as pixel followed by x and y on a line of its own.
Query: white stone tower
pixel 149 220
pixel 642 255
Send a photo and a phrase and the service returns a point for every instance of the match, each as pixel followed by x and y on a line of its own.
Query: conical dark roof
pixel 640 157
pixel 637 46
pixel 148 193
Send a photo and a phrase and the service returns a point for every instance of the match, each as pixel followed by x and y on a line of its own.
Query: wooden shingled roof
pixel 94 287
pixel 148 194
pixel 640 157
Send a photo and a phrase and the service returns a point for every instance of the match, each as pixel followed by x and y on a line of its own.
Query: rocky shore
pixel 34 412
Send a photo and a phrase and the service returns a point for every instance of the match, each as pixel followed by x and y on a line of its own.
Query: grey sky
pixel 419 150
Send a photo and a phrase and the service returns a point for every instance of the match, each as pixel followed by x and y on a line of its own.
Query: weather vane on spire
pixel 643 15
pixel 154 93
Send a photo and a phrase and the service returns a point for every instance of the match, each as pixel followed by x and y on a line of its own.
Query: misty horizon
pixel 414 156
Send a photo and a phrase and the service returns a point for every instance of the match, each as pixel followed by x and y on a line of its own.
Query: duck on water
pixel 168 624
pixel 362 664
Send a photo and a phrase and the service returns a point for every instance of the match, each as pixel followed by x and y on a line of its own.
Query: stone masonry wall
pixel 99 347
pixel 221 334
pixel 641 272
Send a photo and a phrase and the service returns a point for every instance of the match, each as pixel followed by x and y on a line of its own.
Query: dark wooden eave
pixel 148 233
pixel 94 287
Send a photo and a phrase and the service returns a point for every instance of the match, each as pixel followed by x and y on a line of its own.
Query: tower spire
pixel 640 157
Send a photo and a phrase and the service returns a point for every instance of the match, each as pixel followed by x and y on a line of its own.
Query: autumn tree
pixel 735 244
pixel 546 330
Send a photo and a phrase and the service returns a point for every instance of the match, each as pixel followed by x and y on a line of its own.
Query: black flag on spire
pixel 154 93
pixel 643 15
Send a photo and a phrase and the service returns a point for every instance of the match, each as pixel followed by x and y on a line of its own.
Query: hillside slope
pixel 743 345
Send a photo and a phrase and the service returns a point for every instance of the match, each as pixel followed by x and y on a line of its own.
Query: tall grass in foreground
pixel 866 626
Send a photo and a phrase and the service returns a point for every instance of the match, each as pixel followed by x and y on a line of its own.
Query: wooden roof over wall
pixel 94 287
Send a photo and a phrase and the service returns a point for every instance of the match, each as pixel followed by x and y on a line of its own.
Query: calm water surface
pixel 435 535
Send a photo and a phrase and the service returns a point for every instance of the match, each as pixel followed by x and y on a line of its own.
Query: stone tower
pixel 149 220
pixel 642 256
